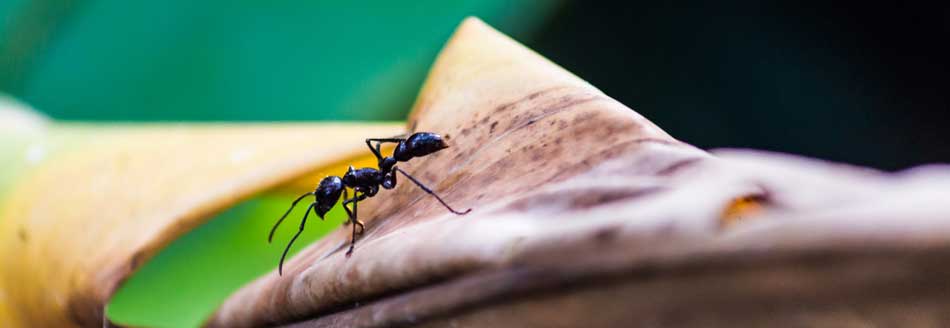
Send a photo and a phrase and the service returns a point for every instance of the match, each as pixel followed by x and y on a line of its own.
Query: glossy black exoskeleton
pixel 365 183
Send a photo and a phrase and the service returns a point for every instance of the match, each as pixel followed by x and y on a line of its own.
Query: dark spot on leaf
pixel 84 310
pixel 666 229
pixel 504 107
pixel 491 129
pixel 24 236
pixel 582 118
pixel 592 199
pixel 673 168
pixel 529 97
pixel 744 207
pixel 536 94
pixel 606 234
pixel 135 261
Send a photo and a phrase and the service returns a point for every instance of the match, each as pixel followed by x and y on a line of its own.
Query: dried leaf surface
pixel 571 189
pixel 516 122
pixel 89 215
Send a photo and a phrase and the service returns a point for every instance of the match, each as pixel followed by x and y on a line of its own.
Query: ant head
pixel 419 144
pixel 327 194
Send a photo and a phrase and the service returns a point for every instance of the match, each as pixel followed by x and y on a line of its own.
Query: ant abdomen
pixel 419 144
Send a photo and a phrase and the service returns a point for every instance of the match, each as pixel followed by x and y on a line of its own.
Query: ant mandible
pixel 365 183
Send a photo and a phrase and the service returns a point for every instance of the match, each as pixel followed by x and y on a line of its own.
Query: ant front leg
pixel 353 219
pixel 353 213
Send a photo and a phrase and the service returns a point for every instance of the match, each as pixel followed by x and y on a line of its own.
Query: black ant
pixel 365 183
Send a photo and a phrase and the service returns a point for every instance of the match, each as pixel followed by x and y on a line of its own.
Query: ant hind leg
pixel 430 192
pixel 380 141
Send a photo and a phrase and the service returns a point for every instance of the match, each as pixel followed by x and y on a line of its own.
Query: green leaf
pixel 185 283
pixel 248 60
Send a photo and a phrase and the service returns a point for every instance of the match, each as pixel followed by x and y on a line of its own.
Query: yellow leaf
pixel 91 213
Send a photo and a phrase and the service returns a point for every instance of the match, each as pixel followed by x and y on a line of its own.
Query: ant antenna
pixel 430 192
pixel 280 267
pixel 272 230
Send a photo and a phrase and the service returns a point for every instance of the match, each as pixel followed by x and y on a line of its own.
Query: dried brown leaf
pixel 587 214
pixel 516 122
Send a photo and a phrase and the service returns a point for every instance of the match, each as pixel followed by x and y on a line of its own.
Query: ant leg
pixel 430 192
pixel 280 267
pixel 346 200
pixel 375 152
pixel 353 233
pixel 401 137
pixel 351 216
pixel 356 223
pixel 356 220
pixel 271 236
pixel 380 141
pixel 389 181
pixel 372 191
pixel 353 219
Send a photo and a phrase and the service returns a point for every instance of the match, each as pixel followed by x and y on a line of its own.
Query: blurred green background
pixel 233 60
pixel 864 83
pixel 180 60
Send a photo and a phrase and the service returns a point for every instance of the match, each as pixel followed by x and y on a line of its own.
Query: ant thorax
pixel 363 177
